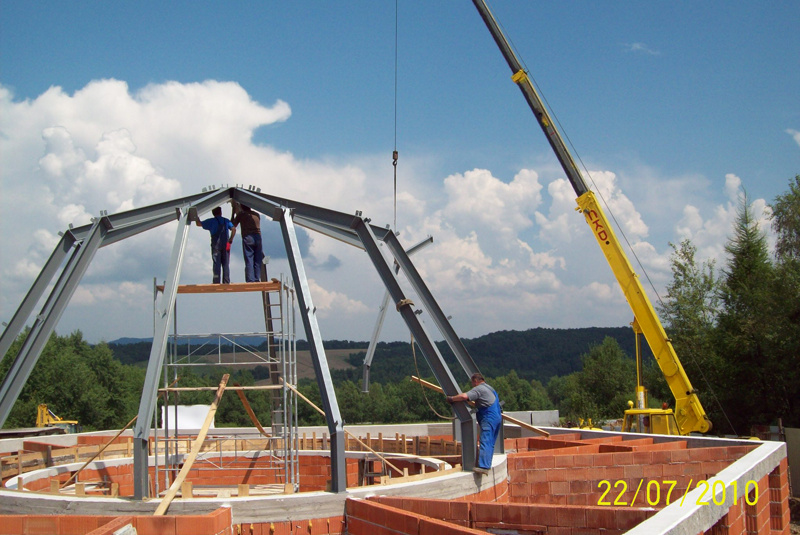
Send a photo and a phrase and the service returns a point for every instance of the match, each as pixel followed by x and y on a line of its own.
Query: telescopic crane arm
pixel 689 413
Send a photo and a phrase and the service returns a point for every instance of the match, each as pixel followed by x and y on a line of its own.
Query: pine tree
pixel 746 333
pixel 786 302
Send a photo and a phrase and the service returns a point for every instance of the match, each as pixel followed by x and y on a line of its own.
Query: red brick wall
pixel 215 523
pixel 407 515
pixel 367 517
pixel 314 472
pixel 334 525
pixel 586 475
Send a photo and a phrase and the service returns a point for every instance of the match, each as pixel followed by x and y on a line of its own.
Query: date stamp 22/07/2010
pixel 655 491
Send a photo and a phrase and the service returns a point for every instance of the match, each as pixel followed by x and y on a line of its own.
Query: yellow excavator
pixel 47 418
pixel 688 415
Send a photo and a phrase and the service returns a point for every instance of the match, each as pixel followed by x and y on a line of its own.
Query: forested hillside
pixel 533 354
pixel 536 354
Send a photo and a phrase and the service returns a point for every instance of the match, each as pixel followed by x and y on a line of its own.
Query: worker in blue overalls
pixel 221 241
pixel 490 418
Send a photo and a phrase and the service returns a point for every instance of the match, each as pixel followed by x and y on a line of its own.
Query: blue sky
pixel 673 108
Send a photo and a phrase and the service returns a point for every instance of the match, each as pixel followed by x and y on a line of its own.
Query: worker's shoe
pixel 482 471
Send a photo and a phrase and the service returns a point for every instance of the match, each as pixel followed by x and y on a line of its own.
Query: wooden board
pixel 196 446
pixel 234 287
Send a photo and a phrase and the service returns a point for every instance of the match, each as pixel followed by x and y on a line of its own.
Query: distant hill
pixel 534 354
pixel 250 340
pixel 123 341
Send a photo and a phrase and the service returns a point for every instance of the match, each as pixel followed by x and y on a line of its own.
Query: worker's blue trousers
pixel 490 419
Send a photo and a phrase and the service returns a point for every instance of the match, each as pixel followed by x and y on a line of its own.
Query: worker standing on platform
pixel 251 242
pixel 490 418
pixel 219 226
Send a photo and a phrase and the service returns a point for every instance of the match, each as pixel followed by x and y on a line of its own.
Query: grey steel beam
pixel 302 212
pixel 153 211
pixel 423 339
pixel 256 201
pixel 35 293
pixel 119 234
pixel 376 331
pixel 120 226
pixel 330 223
pixel 344 235
pixel 48 318
pixel 430 304
pixel 164 314
pixel 329 217
pixel 308 313
pixel 382 315
pixel 319 220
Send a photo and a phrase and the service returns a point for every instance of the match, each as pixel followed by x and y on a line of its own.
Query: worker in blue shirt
pixel 221 241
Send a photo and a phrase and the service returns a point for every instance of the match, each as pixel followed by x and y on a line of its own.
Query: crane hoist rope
pixel 394 152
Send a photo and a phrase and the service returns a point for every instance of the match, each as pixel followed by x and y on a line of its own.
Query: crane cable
pixel 394 152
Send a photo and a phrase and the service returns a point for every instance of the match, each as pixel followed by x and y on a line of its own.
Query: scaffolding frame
pixel 280 353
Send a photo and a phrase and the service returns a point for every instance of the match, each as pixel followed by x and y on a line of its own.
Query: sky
pixel 673 110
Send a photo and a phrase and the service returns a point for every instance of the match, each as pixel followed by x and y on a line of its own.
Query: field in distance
pixel 337 360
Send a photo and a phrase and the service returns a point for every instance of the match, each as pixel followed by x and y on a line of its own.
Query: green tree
pixel 518 394
pixel 307 415
pixel 786 305
pixel 746 333
pixel 601 389
pixel 689 312
pixel 77 382
pixel 786 221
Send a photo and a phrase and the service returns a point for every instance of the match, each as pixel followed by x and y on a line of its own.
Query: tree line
pixel 736 329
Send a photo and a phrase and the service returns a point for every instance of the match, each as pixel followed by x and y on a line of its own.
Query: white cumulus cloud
pixel 506 254
pixel 795 135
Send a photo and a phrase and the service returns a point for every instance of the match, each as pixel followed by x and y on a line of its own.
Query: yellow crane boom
pixel 689 413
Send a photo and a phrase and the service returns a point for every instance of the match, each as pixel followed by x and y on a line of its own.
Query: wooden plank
pixel 198 443
pixel 235 287
pixel 506 417
pixel 524 425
